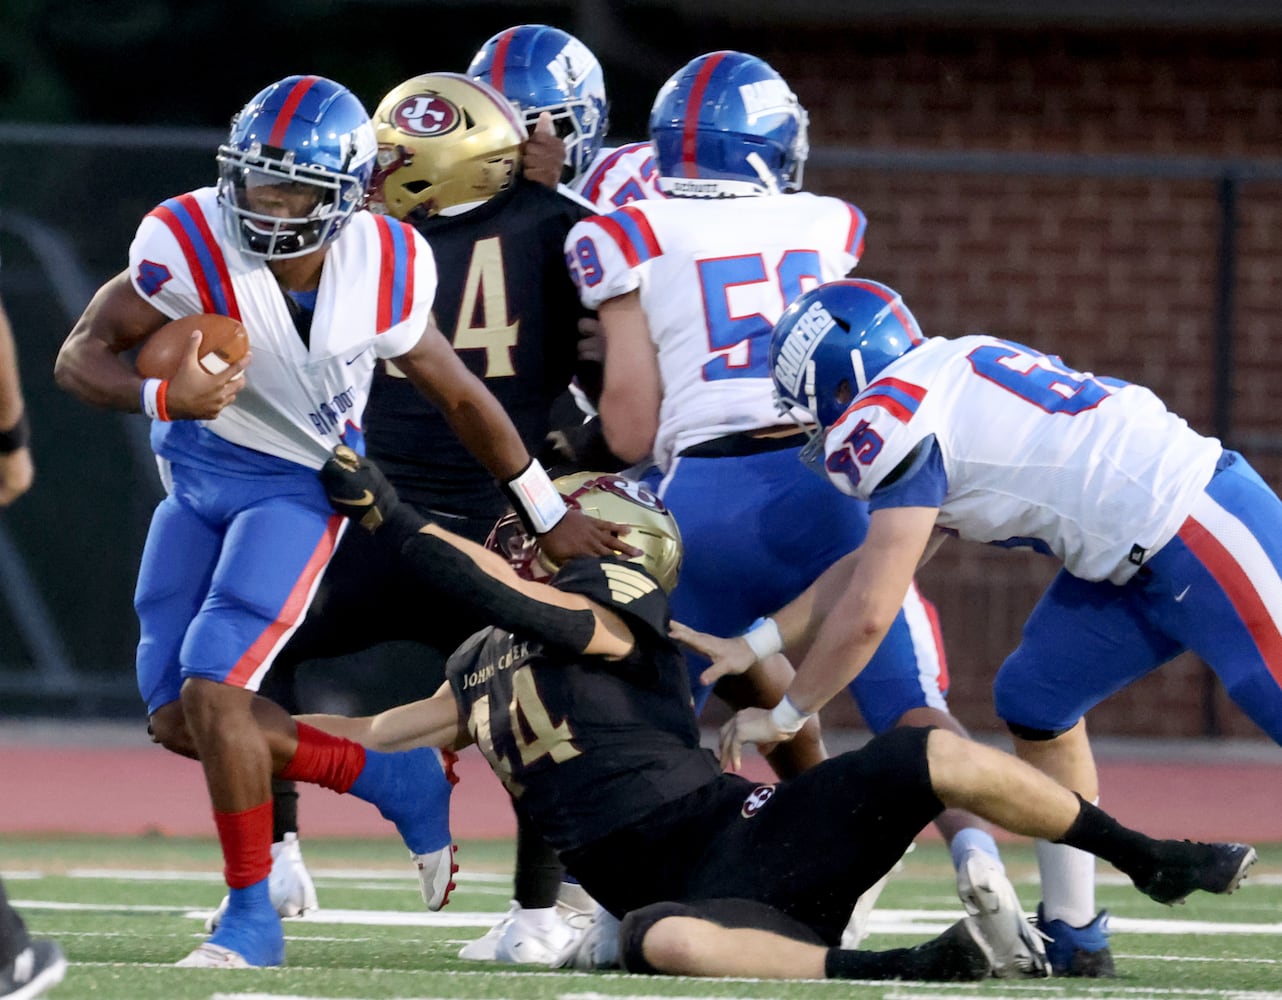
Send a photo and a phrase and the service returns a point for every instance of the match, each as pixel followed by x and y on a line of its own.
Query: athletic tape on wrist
pixel 535 499
pixel 787 717
pixel 764 638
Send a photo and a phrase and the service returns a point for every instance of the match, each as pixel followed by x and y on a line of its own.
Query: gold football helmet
pixel 443 140
pixel 607 497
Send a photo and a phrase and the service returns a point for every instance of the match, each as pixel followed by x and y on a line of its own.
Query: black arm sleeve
pixel 442 568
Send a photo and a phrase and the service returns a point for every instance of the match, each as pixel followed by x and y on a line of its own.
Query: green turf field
pixel 124 910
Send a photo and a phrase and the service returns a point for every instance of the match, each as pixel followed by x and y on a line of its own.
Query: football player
pixel 544 70
pixel 451 164
pixel 688 288
pixel 1168 540
pixel 580 703
pixel 325 290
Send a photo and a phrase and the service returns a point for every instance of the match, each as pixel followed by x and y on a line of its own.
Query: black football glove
pixel 358 490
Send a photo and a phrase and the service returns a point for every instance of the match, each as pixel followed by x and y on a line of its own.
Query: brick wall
pixel 1116 274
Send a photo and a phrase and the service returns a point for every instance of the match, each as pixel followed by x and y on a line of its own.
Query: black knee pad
pixel 1035 735
pixel 634 928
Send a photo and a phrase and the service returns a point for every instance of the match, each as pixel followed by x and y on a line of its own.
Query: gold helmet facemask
pixel 606 497
pixel 443 140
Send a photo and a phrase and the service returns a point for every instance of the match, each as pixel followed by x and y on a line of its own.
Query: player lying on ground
pixel 580 702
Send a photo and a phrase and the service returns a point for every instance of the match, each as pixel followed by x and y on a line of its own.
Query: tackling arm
pixel 484 427
pixel 429 722
pixel 632 389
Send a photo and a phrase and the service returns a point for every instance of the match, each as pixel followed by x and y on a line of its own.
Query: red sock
pixel 321 759
pixel 247 844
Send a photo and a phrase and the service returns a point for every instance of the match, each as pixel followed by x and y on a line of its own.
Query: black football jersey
pixel 585 745
pixel 506 301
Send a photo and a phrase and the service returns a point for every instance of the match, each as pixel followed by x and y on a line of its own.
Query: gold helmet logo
pixel 444 139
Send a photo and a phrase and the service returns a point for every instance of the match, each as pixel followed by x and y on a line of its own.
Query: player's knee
pixel 168 727
pixel 651 943
pixel 1034 734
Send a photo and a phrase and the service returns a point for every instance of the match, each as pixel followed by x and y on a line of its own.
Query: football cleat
pixel 596 941
pixel 38 967
pixel 1081 952
pixel 290 884
pixel 213 956
pixel 535 937
pixel 959 954
pixel 1186 866
pixel 436 870
pixel 484 948
pixel 1015 947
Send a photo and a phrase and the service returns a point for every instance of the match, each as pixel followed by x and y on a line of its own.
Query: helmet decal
pixel 425 114
pixel 444 139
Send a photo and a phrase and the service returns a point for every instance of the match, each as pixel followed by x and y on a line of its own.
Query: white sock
pixel 1068 883
pixel 542 919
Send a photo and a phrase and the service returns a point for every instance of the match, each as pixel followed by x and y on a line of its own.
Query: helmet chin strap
pixel 755 161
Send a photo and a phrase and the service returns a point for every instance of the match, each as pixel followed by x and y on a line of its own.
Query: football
pixel 223 342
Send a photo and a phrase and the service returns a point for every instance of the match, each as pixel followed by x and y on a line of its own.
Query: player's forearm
pixel 799 621
pixel 89 370
pixel 429 722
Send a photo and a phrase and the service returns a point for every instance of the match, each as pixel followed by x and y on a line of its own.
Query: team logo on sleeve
pixel 426 114
pixel 757 798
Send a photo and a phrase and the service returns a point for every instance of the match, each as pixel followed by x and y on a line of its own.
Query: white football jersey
pixel 714 276
pixel 374 300
pixel 1093 470
pixel 618 177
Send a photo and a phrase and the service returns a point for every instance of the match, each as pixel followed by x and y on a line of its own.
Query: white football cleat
pixel 483 949
pixel 535 937
pixel 213 956
pixel 289 884
pixel 596 941
pixel 1016 947
pixel 436 875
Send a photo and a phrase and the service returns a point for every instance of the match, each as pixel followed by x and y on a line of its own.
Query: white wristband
pixel 149 391
pixel 787 717
pixel 535 498
pixel 764 638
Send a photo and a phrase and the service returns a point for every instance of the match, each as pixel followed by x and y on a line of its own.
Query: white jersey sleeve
pixel 713 278
pixel 618 177
pixel 1092 470
pixel 301 397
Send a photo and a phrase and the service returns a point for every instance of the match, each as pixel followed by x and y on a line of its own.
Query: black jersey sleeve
pixel 446 568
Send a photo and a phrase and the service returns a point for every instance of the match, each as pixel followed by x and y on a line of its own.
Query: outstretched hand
pixel 576 534
pixel 728 656
pixel 358 490
pixel 752 725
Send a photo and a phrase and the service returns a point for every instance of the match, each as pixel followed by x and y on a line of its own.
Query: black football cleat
pixel 959 954
pixel 1187 866
pixel 38 967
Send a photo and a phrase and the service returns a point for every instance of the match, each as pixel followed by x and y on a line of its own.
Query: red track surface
pixel 134 790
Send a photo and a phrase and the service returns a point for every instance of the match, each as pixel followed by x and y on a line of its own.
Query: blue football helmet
pixel 727 125
pixel 295 168
pixel 539 69
pixel 833 341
